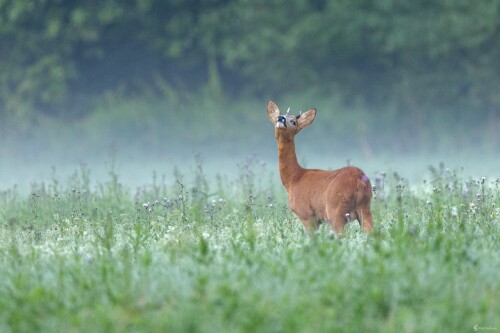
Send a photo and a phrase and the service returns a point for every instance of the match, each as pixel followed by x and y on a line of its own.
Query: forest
pixel 412 65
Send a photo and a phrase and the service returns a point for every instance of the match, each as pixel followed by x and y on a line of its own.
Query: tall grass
pixel 227 255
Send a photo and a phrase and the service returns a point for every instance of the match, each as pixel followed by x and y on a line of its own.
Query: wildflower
pixel 147 207
pixel 472 208
pixel 465 191
pixel 379 185
pixel 167 203
pixel 454 211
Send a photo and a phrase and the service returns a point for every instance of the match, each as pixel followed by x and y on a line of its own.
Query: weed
pixel 239 259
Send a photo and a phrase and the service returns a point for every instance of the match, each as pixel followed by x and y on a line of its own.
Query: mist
pixel 137 158
pixel 143 89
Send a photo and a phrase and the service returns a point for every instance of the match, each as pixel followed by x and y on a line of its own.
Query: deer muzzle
pixel 281 122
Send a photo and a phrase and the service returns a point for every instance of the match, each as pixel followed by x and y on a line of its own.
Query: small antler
pixel 288 111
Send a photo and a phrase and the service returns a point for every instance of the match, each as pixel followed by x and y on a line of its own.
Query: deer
pixel 316 196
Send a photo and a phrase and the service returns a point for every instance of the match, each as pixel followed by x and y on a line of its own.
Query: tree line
pixel 412 57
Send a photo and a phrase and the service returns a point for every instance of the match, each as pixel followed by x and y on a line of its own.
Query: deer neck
pixel 288 165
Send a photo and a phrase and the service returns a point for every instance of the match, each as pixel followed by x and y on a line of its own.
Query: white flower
pixel 454 211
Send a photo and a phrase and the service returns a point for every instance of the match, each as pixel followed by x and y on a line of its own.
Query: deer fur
pixel 314 195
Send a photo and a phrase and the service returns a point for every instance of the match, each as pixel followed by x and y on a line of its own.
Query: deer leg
pixel 337 221
pixel 311 225
pixel 365 219
pixel 338 212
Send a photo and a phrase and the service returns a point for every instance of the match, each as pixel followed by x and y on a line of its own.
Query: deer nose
pixel 282 119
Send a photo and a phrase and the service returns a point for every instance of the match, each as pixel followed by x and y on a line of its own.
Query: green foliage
pixel 411 58
pixel 77 258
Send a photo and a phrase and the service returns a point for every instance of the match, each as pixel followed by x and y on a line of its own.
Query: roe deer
pixel 319 195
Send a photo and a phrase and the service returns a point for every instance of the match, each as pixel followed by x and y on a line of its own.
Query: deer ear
pixel 306 118
pixel 273 112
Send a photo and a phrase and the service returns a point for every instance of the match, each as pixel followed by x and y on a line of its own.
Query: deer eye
pixel 293 122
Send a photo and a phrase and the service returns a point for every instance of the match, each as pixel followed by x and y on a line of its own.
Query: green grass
pixel 227 255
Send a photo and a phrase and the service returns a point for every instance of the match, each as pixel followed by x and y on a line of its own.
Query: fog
pixel 24 162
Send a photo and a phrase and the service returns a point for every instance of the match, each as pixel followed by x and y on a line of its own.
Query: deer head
pixel 287 125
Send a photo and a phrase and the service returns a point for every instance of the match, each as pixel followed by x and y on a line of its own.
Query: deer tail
pixel 364 190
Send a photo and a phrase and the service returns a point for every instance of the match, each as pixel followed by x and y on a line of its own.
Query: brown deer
pixel 319 195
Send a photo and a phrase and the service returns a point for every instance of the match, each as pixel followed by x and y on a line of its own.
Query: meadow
pixel 225 254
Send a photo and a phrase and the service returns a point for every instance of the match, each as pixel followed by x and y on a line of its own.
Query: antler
pixel 288 111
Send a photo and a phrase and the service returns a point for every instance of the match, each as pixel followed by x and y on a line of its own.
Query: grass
pixel 227 255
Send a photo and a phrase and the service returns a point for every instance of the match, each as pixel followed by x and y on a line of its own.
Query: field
pixel 226 255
